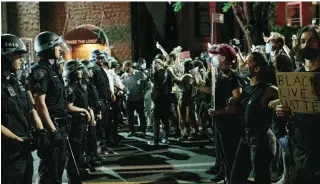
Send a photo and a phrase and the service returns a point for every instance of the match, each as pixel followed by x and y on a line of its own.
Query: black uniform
pixel 45 79
pixel 77 94
pixel 163 83
pixel 101 81
pixel 17 163
pixel 95 104
pixel 305 146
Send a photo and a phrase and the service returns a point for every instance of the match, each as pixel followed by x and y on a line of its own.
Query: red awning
pixel 86 34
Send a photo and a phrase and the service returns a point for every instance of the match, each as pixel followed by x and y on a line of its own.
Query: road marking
pixel 138 153
pixel 163 166
pixel 161 171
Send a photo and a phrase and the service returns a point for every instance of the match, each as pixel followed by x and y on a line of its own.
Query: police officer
pixel 82 114
pixel 17 142
pixel 49 93
pixel 101 80
pixel 95 104
pixel 118 91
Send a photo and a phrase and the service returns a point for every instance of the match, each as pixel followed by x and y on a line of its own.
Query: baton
pixel 74 160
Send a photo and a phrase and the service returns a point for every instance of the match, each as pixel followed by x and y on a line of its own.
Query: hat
pixel 224 50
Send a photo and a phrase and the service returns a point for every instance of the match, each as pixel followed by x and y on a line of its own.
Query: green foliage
pixel 226 6
pixel 119 34
pixel 177 6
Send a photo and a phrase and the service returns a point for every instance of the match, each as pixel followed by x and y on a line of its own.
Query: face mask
pixel 244 71
pixel 310 53
pixel 215 61
pixel 143 66
pixel 268 48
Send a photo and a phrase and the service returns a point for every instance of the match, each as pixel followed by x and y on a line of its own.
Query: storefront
pixel 84 39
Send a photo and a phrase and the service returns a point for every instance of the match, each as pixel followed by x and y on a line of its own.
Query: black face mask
pixel 310 53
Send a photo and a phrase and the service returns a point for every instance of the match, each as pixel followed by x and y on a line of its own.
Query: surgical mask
pixel 310 53
pixel 143 66
pixel 244 71
pixel 215 61
pixel 268 48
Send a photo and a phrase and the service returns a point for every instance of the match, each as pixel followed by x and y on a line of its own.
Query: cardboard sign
pixel 218 17
pixel 300 91
pixel 184 55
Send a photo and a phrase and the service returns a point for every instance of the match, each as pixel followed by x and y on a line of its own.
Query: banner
pixel 300 91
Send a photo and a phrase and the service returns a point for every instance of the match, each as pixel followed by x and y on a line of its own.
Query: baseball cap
pixel 224 50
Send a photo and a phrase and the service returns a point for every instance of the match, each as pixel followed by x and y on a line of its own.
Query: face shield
pixel 61 42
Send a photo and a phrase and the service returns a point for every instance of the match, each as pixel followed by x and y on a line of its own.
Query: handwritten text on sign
pixel 300 91
pixel 75 42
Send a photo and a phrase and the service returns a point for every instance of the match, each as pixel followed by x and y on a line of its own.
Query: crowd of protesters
pixel 223 95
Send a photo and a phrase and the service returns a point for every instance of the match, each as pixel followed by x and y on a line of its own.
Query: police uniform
pixel 96 105
pixel 101 81
pixel 77 94
pixel 45 79
pixel 17 162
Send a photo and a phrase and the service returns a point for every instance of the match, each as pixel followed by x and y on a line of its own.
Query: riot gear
pixel 11 45
pixel 46 41
pixel 70 68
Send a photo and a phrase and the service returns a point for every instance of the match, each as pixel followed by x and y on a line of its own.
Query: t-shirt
pixel 135 85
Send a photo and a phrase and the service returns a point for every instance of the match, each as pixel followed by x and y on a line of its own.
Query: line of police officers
pixel 54 109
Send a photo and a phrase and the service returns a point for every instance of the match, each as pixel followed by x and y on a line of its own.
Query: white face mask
pixel 268 48
pixel 143 66
pixel 215 61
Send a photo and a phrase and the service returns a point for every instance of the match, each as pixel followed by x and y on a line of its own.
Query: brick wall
pixel 24 20
pixel 116 22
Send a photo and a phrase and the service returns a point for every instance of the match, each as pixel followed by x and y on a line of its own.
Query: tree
pixel 254 18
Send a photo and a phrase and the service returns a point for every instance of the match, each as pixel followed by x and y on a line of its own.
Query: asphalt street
pixel 134 161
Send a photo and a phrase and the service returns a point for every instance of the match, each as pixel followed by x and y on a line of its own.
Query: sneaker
pixel 165 141
pixel 216 178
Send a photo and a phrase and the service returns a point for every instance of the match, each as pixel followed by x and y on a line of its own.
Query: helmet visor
pixel 63 44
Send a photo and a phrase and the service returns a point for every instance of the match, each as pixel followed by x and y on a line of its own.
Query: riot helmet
pixel 12 46
pixel 46 42
pixel 99 57
pixel 71 69
pixel 89 65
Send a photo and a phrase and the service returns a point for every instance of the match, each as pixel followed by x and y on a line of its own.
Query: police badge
pixel 69 91
pixel 84 87
pixel 38 74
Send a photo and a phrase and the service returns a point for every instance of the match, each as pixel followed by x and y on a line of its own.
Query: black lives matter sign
pixel 300 91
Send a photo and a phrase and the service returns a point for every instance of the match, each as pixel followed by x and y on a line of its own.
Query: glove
pixel 284 141
pixel 29 144
pixel 42 138
pixel 56 136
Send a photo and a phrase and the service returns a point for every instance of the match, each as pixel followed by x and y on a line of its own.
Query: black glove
pixel 29 144
pixel 56 136
pixel 42 138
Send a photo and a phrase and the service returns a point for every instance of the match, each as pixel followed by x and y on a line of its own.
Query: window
pixel 293 14
pixel 202 19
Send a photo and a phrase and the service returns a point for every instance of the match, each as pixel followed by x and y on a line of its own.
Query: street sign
pixel 218 18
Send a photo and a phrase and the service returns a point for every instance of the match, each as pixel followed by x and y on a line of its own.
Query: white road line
pixel 163 166
pixel 161 171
